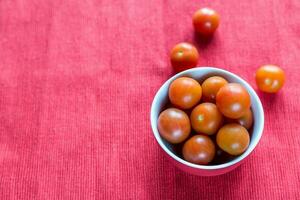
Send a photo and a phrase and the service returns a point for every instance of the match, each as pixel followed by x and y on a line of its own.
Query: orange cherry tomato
pixel 199 149
pixel 206 21
pixel 184 56
pixel 246 120
pixel 185 92
pixel 270 78
pixel 233 139
pixel 206 118
pixel 174 125
pixel 233 100
pixel 211 86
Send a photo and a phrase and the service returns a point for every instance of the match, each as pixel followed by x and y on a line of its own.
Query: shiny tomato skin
pixel 206 21
pixel 185 92
pixel 233 139
pixel 184 56
pixel 270 78
pixel 246 120
pixel 199 149
pixel 233 100
pixel 174 125
pixel 211 86
pixel 206 118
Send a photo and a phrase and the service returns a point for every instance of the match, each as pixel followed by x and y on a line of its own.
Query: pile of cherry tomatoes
pixel 269 78
pixel 219 113
pixel 209 121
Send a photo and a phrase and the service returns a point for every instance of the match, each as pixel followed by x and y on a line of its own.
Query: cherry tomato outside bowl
pixel 206 21
pixel 184 56
pixel 270 78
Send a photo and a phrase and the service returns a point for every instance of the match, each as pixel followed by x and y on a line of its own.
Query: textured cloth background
pixel 77 78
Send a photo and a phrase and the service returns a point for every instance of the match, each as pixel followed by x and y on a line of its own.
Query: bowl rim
pixel 207 167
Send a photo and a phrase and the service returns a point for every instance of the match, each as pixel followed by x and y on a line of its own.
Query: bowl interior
pixel 200 74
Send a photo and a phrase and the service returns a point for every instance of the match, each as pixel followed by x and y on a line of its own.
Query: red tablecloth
pixel 77 79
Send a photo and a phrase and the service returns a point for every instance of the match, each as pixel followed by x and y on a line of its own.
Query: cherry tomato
pixel 199 149
pixel 233 100
pixel 185 92
pixel 211 86
pixel 184 56
pixel 246 120
pixel 206 118
pixel 233 139
pixel 206 21
pixel 174 125
pixel 270 78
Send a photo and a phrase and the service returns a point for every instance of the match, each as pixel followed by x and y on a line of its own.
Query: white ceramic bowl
pixel 200 74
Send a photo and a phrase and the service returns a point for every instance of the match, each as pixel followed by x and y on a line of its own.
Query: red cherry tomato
pixel 206 21
pixel 233 100
pixel 184 56
pixel 174 125
pixel 246 120
pixel 185 92
pixel 233 139
pixel 206 118
pixel 270 78
pixel 199 149
pixel 211 86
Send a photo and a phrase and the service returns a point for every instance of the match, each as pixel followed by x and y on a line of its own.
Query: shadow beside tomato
pixel 202 41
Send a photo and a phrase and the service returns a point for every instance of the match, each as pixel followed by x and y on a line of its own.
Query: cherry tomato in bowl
pixel 211 86
pixel 199 149
pixel 185 92
pixel 233 100
pixel 174 125
pixel 233 139
pixel 246 120
pixel 206 118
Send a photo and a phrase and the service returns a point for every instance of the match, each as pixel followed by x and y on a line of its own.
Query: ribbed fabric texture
pixel 77 78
